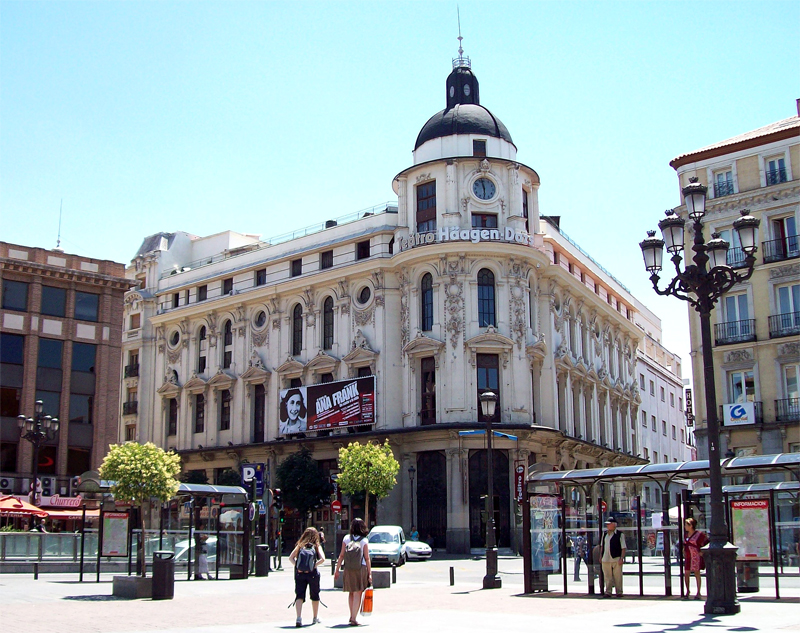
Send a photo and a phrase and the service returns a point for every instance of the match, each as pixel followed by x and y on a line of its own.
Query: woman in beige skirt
pixel 357 568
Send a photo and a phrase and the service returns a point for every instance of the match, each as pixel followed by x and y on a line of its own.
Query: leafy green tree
pixel 301 482
pixel 229 477
pixel 141 472
pixel 194 477
pixel 368 468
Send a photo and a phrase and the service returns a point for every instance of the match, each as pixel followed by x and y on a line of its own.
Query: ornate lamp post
pixel 491 580
pixel 701 284
pixel 411 472
pixel 37 430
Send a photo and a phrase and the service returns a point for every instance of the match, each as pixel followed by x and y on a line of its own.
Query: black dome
pixel 463 119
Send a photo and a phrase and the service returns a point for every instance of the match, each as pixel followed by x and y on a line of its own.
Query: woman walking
pixel 357 568
pixel 693 561
pixel 306 556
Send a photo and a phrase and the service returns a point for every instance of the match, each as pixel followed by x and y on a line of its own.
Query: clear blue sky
pixel 262 117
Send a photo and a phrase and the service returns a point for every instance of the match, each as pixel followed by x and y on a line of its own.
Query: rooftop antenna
pixel 58 241
pixel 461 61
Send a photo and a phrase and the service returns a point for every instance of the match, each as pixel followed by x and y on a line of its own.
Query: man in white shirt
pixel 612 549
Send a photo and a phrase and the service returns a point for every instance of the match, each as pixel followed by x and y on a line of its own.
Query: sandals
pixel 353 623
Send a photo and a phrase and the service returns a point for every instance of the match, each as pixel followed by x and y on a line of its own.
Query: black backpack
pixel 306 560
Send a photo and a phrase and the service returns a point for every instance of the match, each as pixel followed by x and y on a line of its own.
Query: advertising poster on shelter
pixel 545 534
pixel 329 405
pixel 750 529
pixel 115 534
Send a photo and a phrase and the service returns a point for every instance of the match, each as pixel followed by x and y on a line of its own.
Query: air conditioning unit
pixel 48 486
pixel 6 486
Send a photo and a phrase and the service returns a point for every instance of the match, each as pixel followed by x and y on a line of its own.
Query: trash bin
pixel 163 575
pixel 747 576
pixel 262 560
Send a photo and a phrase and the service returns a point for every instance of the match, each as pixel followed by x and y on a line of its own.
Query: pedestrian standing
pixel 579 551
pixel 693 560
pixel 321 531
pixel 357 568
pixel 306 557
pixel 202 559
pixel 612 556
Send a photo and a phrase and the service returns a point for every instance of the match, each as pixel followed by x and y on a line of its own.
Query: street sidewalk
pixel 421 600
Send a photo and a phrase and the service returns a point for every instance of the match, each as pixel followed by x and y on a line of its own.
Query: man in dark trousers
pixel 612 555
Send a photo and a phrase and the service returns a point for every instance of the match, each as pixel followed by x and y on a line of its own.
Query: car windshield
pixel 383 537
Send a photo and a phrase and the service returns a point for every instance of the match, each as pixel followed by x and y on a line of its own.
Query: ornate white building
pixel 461 286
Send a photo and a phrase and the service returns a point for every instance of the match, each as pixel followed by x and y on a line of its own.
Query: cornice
pixel 68 274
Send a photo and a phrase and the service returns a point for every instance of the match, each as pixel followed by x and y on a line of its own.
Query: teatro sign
pixel 475 236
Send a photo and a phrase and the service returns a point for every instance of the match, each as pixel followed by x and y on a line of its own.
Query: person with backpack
pixel 357 568
pixel 306 557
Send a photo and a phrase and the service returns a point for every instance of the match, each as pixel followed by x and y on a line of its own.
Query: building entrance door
pixel 478 486
pixel 431 498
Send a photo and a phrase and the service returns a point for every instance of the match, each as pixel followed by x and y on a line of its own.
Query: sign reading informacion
pixel 738 414
pixel 330 405
pixel 456 234
pixel 750 529
pixel 115 534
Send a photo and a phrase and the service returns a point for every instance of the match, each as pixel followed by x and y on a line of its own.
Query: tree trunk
pixel 141 542
pixel 366 508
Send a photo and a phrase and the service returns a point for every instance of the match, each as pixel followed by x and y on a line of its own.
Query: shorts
pixel 310 580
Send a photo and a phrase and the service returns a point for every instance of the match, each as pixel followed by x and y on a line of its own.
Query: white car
pixel 417 550
pixel 387 544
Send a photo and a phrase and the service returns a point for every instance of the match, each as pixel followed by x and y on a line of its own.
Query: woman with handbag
pixel 357 568
pixel 693 561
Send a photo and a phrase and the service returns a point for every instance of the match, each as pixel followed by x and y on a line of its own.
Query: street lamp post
pixel 411 472
pixel 701 284
pixel 37 430
pixel 491 580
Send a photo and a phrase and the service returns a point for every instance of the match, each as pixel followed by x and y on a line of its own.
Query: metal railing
pixel 787 410
pixel 736 258
pixel 37 546
pixel 130 408
pixel 783 248
pixel 776 176
pixel 735 332
pixel 723 188
pixel 759 411
pixel 132 371
pixel 786 324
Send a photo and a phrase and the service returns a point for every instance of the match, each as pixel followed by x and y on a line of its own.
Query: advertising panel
pixel 750 529
pixel 115 534
pixel 545 534
pixel 737 414
pixel 329 405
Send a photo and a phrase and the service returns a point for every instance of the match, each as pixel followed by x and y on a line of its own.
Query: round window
pixel 364 295
pixel 261 318
pixel 174 338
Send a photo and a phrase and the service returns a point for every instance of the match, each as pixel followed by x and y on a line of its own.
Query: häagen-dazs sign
pixel 455 234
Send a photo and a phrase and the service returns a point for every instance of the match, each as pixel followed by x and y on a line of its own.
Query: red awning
pixel 75 513
pixel 13 507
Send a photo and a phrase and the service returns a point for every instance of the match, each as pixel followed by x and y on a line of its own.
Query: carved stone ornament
pixel 784 271
pixel 423 177
pixel 484 166
pixel 789 349
pixel 404 309
pixel 360 341
pixel 173 355
pixel 255 360
pixel 517 312
pixel 738 356
pixel 363 317
pixel 454 309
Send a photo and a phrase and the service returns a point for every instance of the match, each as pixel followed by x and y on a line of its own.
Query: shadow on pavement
pixel 104 598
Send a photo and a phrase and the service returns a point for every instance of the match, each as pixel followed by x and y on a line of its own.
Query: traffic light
pixel 278 498
pixel 281 516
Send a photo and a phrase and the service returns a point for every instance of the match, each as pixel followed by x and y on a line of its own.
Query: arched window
pixel 297 330
pixel 426 302
pixel 486 312
pixel 227 345
pixel 202 350
pixel 327 323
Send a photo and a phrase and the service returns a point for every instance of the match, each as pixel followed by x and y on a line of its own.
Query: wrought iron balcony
pixel 776 176
pixel 723 188
pixel 786 324
pixel 787 410
pixel 130 408
pixel 132 371
pixel 756 406
pixel 783 248
pixel 736 258
pixel 735 332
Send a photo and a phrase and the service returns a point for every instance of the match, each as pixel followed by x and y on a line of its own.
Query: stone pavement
pixel 421 600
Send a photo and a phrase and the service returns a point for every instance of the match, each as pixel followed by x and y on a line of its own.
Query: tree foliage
pixel 229 477
pixel 194 477
pixel 368 468
pixel 301 482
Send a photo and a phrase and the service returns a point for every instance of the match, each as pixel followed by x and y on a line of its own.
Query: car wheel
pixel 403 558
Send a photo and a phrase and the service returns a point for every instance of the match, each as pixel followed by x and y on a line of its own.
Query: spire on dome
pixel 460 61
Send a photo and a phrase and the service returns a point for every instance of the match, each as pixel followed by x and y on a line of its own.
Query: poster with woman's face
pixel 293 411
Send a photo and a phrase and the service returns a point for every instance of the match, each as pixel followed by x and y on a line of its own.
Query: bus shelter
pixel 559 506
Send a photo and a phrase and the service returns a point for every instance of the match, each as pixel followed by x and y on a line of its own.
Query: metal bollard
pixel 333 566
pixel 394 574
pixel 452 576
pixel 36 571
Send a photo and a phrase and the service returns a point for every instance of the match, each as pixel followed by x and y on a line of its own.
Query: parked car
pixel 387 544
pixel 417 550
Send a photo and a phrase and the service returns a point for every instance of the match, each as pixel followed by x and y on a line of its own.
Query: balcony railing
pixel 132 371
pixel 756 406
pixel 776 176
pixel 130 408
pixel 735 332
pixel 787 410
pixel 736 258
pixel 786 324
pixel 723 188
pixel 783 248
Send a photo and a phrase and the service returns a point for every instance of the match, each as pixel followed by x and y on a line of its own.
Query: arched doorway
pixel 478 486
pixel 431 498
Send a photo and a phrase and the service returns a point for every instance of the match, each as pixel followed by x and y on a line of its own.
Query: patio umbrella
pixel 13 507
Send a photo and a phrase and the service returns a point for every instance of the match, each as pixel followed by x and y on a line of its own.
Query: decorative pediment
pixel 490 342
pixel 323 363
pixel 195 384
pixel 423 345
pixel 537 351
pixel 222 380
pixel 360 356
pixel 256 375
pixel 291 368
pixel 170 388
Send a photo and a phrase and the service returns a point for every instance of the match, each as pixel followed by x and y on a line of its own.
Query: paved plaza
pixel 421 600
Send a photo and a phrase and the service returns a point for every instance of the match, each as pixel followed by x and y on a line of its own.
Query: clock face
pixel 484 189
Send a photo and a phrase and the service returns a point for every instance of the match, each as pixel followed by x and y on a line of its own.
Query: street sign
pixel 603 506
pixel 253 471
pixel 262 509
pixel 336 506
pixel 519 481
